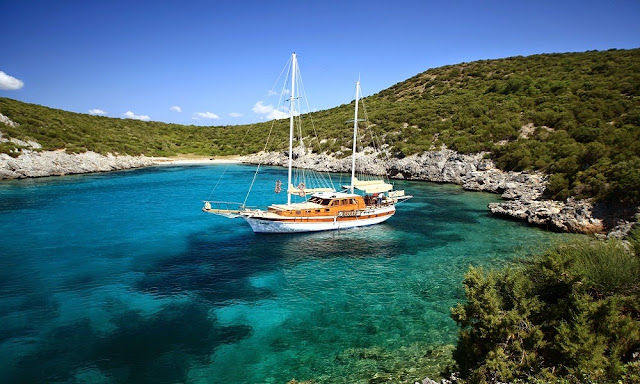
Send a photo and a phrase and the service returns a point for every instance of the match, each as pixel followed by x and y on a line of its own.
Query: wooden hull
pixel 265 224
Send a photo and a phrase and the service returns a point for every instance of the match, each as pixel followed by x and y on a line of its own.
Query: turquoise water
pixel 119 277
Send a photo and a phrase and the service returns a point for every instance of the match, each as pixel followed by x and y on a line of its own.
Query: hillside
pixel 573 115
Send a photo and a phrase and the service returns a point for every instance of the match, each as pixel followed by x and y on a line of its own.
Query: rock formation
pixel 56 163
pixel 522 190
pixel 32 163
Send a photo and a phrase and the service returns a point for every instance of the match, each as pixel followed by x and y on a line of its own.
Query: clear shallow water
pixel 120 277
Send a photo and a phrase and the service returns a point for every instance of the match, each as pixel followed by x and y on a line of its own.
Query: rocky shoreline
pixel 57 163
pixel 523 191
pixel 30 161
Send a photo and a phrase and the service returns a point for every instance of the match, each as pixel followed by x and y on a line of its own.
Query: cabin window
pixel 317 210
pixel 326 209
pixel 298 212
pixel 353 201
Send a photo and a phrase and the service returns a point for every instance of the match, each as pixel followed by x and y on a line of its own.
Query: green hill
pixel 573 115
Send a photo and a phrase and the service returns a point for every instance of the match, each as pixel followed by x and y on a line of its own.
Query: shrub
pixel 572 314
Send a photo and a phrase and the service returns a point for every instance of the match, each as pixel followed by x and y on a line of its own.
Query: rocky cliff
pixel 29 162
pixel 522 190
pixel 56 163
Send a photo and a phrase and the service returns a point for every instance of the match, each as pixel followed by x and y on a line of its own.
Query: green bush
pixel 570 315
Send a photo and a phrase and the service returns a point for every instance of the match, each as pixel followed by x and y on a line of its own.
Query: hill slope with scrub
pixel 575 116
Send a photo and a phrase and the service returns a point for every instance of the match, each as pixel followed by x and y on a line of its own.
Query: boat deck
pixel 295 206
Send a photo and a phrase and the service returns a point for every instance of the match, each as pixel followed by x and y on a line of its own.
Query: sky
pixel 216 62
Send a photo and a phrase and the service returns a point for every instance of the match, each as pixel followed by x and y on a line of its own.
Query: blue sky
pixel 220 58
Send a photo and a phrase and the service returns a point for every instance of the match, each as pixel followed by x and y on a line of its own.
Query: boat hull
pixel 269 225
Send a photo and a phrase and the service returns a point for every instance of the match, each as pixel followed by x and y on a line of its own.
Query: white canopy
pixel 307 191
pixel 372 186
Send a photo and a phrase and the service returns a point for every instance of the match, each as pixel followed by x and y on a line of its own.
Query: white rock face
pixel 523 190
pixel 4 119
pixel 57 163
pixel 570 216
pixel 7 121
pixel 473 172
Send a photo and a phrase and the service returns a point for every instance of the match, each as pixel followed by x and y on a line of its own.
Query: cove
pixel 119 277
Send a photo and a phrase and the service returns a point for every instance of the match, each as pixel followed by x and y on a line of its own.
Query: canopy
pixel 307 191
pixel 372 186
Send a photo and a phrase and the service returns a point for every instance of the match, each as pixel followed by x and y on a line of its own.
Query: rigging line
pixel 273 122
pixel 286 66
pixel 320 180
pixel 377 142
pixel 298 124
pixel 316 180
pixel 358 134
pixel 218 182
pixel 246 132
pixel 259 165
pixel 313 126
pixel 284 86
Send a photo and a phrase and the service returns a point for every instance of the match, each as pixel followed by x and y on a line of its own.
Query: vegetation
pixel 571 315
pixel 56 129
pixel 573 115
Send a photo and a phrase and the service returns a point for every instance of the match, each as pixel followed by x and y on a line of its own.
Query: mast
pixel 355 135
pixel 291 112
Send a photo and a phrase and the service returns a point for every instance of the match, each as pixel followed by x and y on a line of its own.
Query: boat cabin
pixel 321 204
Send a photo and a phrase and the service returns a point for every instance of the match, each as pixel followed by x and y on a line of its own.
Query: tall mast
pixel 291 112
pixel 355 135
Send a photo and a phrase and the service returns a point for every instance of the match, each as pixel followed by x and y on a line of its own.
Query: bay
pixel 120 277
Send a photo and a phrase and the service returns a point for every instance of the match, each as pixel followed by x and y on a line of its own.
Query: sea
pixel 121 278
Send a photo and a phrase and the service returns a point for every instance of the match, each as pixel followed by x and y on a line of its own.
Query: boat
pixel 325 208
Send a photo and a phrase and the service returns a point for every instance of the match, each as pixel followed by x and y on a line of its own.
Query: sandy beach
pixel 194 159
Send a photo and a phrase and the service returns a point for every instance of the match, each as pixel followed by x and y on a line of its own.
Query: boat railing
pixel 223 208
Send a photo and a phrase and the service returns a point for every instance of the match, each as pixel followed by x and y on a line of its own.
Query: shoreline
pixel 522 192
pixel 195 160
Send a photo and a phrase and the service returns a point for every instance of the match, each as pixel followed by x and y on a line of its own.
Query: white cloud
pixel 176 108
pixel 96 111
pixel 205 115
pixel 9 83
pixel 235 114
pixel 131 115
pixel 271 92
pixel 269 112
pixel 262 109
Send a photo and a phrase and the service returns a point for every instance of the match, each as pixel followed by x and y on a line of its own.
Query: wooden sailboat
pixel 326 208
